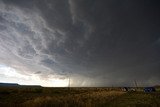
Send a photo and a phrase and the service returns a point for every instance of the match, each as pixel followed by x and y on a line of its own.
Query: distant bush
pixel 37 90
pixel 8 90
pixel 4 92
pixel 31 90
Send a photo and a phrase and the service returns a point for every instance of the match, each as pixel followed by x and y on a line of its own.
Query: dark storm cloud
pixel 96 42
pixel 38 72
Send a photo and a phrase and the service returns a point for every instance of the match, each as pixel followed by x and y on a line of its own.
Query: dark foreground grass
pixel 75 97
pixel 136 99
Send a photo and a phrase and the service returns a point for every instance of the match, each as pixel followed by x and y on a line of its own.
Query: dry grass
pixel 75 97
pixel 79 100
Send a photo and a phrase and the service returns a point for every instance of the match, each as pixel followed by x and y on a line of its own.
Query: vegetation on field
pixel 75 97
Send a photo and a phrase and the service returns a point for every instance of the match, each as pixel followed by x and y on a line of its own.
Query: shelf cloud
pixel 93 42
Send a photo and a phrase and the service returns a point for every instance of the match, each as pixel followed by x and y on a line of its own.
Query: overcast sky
pixel 92 42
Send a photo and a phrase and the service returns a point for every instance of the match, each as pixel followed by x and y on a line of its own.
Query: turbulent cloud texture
pixel 93 42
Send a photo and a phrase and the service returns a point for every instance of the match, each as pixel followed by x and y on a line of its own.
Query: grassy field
pixel 76 97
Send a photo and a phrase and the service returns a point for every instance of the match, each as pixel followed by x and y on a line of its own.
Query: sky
pixel 92 43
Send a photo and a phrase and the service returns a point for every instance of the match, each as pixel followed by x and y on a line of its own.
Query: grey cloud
pixel 108 42
pixel 38 72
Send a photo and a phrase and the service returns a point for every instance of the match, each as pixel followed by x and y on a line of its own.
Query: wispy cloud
pixel 96 43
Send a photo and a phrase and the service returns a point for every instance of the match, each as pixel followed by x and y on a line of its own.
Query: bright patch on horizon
pixel 10 72
pixel 10 75
pixel 54 82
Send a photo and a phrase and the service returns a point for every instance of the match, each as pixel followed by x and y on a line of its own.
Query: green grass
pixel 75 97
